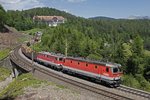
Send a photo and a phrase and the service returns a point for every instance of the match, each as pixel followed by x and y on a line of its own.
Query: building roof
pixel 47 18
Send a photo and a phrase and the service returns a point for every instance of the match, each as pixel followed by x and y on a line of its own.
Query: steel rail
pixel 134 91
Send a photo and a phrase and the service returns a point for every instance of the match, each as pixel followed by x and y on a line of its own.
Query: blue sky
pixel 86 8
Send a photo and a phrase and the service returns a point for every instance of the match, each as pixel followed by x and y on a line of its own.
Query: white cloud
pixel 26 4
pixel 75 1
pixel 20 4
pixel 9 2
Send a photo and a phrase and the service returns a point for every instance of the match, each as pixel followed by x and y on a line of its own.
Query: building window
pixel 96 67
pixel 107 69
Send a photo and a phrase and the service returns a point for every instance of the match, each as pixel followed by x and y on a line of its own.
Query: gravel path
pixel 3 84
pixel 49 92
pixel 53 92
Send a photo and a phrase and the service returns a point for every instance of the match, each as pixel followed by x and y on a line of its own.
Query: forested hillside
pixel 124 29
pixel 122 41
pixel 3 18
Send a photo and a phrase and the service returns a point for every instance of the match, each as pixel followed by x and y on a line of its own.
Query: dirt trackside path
pixel 11 38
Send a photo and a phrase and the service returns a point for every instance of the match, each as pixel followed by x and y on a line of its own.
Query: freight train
pixel 105 72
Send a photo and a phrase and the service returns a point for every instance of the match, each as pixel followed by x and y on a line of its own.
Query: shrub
pixel 130 81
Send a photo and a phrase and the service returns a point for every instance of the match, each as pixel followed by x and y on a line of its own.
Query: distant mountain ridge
pixel 138 17
pixel 130 18
pixel 101 18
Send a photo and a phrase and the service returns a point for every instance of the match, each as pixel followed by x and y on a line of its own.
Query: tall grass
pixel 4 73
pixel 4 53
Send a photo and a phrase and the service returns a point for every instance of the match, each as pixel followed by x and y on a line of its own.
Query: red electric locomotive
pixel 107 72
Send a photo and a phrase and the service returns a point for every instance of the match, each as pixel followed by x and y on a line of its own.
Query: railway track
pixel 86 86
pixel 16 58
pixel 134 91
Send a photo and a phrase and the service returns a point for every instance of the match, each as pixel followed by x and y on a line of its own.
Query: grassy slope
pixel 4 53
pixel 33 31
pixel 16 87
pixel 4 73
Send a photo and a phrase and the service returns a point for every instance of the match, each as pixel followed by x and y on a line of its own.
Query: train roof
pixel 109 64
pixel 52 54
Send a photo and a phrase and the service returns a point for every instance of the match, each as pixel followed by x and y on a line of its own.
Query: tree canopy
pixel 2 17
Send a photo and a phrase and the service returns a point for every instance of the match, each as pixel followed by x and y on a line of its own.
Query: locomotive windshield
pixel 116 69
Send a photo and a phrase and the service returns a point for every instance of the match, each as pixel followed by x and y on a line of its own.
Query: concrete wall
pixel 7 63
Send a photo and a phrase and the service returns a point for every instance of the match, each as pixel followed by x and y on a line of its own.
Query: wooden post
pixel 33 55
pixel 66 47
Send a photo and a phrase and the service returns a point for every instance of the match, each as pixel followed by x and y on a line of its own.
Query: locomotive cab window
pixel 60 59
pixel 107 69
pixel 115 70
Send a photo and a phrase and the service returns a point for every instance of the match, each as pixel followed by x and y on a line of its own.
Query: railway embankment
pixel 45 73
pixel 28 87
pixel 5 77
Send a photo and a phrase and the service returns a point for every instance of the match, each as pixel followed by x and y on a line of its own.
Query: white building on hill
pixel 50 20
